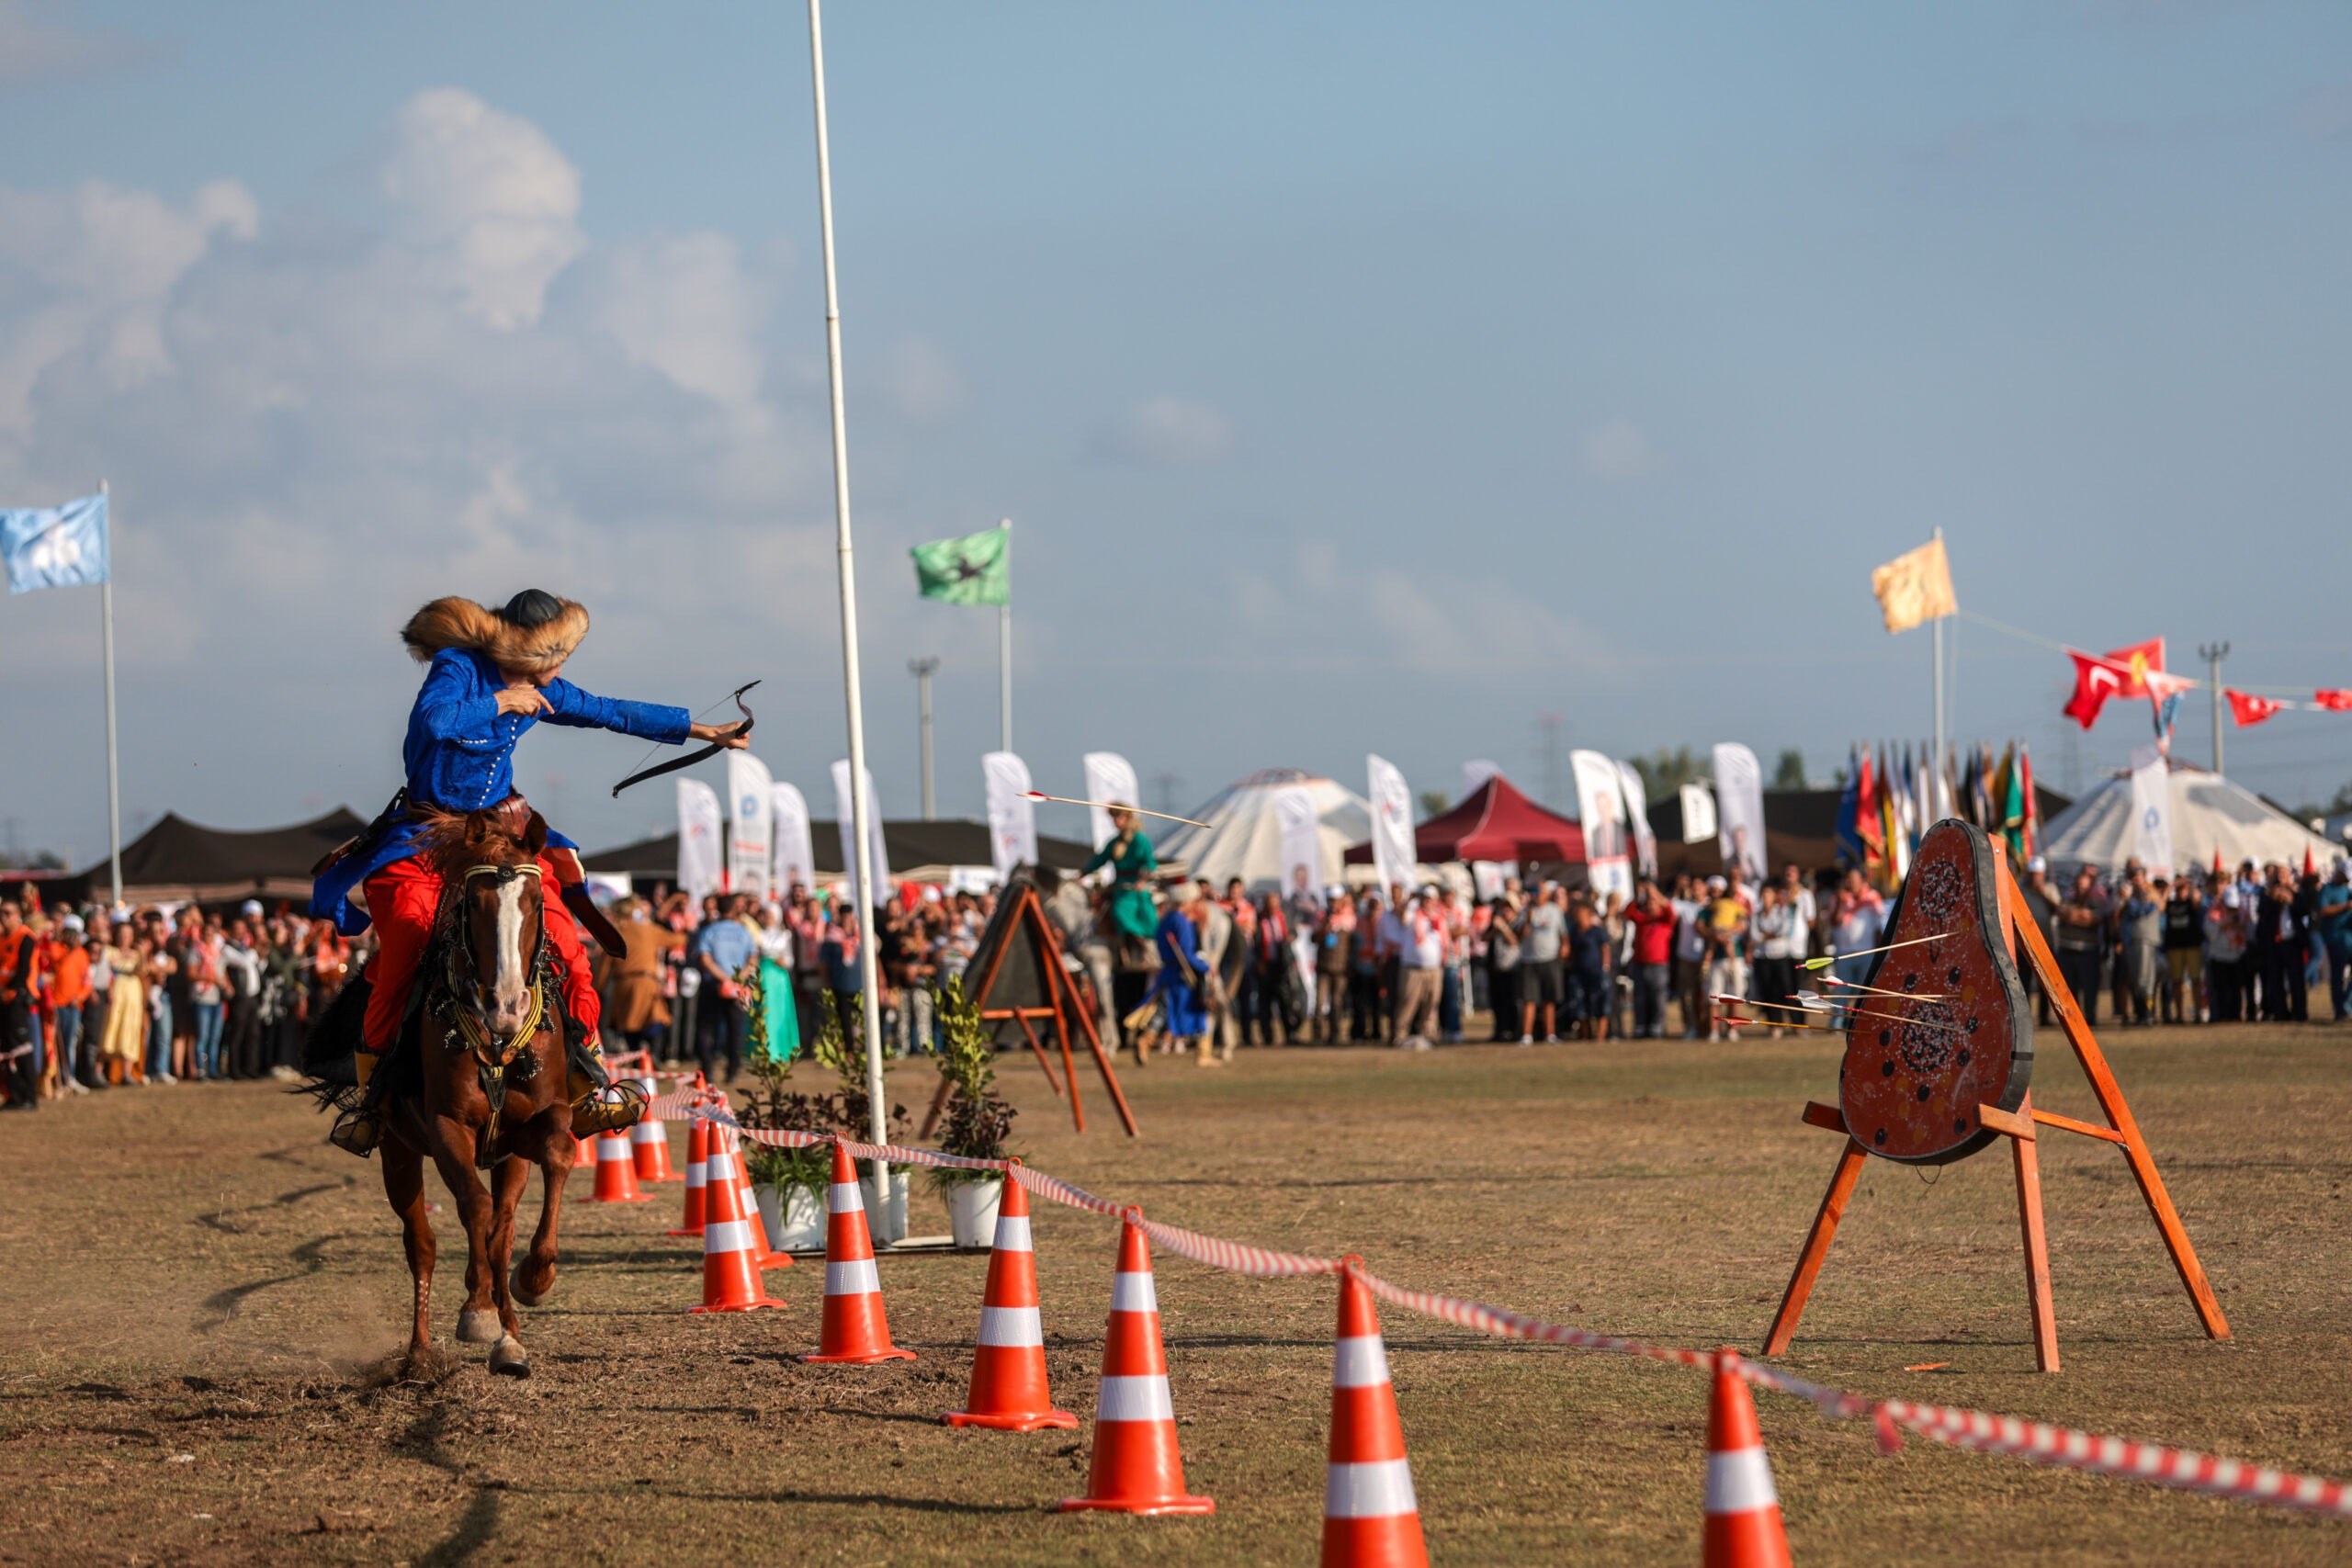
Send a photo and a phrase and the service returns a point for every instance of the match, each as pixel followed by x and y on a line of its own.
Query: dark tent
pixel 177 860
pixel 912 847
pixel 1493 822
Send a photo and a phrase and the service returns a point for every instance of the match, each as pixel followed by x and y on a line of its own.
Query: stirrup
pixel 608 1111
pixel 357 1132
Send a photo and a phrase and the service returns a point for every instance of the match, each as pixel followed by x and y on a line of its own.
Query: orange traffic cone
pixel 762 1258
pixel 648 1142
pixel 1743 1527
pixel 1008 1390
pixel 584 1156
pixel 723 1164
pixel 730 1283
pixel 1370 1518
pixel 855 1329
pixel 698 1175
pixel 1137 1467
pixel 616 1171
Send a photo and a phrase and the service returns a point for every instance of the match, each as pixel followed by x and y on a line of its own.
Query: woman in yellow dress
pixel 125 1038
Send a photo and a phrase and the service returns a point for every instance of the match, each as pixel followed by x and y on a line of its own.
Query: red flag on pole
pixel 1866 813
pixel 2246 708
pixel 2095 682
pixel 2339 701
pixel 2135 663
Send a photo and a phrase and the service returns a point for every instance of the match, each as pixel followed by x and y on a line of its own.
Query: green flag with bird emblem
pixel 974 569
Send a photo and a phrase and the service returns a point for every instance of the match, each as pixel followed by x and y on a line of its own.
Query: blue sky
pixel 1359 376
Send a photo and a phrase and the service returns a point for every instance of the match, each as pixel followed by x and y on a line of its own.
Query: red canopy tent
pixel 1495 822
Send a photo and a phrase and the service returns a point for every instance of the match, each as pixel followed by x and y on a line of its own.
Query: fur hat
pixel 536 632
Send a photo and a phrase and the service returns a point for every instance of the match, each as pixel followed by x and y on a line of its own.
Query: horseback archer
pixel 493 675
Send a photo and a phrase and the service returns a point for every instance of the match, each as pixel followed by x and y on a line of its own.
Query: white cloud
pixel 490 200
pixel 1619 453
pixel 686 307
pixel 1166 432
pixel 311 428
pixel 1332 611
pixel 921 382
pixel 39 43
pixel 92 272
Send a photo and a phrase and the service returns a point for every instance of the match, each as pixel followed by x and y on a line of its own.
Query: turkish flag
pixel 2336 700
pixel 2095 682
pixel 2248 709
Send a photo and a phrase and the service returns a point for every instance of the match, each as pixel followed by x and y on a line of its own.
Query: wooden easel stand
pixel 2020 1126
pixel 1063 1001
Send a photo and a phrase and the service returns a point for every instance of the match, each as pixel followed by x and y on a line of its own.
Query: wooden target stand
pixel 2021 1128
pixel 1022 981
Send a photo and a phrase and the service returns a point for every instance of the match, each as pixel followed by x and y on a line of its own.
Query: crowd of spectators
pixel 97 999
pixel 2217 947
pixel 677 993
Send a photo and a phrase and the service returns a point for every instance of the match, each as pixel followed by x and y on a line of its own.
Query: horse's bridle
pixel 492 1053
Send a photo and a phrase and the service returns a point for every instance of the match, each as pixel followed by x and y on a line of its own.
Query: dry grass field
pixel 199 1297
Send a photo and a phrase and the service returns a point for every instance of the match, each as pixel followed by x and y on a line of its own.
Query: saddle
pixel 598 1104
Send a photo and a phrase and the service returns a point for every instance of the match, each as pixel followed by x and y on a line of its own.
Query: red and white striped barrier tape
pixel 2062 1448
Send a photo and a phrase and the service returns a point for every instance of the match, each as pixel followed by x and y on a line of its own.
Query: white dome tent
pixel 1244 837
pixel 2210 815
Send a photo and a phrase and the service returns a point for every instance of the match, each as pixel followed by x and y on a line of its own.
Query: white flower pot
pixel 886 1214
pixel 971 1210
pixel 795 1220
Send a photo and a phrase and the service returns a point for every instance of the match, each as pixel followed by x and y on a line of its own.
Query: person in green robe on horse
pixel 1130 919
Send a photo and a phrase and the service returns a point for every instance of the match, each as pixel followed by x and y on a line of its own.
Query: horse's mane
pixel 453 840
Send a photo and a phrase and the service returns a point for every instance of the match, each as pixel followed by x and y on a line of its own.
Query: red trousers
pixel 403 899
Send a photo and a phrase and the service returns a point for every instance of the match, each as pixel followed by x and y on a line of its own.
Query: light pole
pixel 922 669
pixel 2212 653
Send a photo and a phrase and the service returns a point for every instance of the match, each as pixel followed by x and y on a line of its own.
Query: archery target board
pixel 1944 1026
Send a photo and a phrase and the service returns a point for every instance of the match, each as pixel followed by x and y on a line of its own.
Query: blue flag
pixel 55 547
pixel 1849 812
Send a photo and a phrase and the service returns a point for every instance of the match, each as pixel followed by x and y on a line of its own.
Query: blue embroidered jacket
pixel 459 756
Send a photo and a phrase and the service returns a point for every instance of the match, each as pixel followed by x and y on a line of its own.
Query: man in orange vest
pixel 17 995
pixel 64 988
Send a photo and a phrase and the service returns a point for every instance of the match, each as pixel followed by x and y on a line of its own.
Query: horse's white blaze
pixel 508 993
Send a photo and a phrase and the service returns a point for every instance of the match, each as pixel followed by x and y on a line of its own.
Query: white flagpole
pixel 1940 696
pixel 1004 652
pixel 861 803
pixel 114 771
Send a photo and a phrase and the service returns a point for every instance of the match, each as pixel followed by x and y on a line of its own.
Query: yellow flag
pixel 1913 587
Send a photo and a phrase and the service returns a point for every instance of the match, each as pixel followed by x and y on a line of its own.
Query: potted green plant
pixel 790 1184
pixel 977 1123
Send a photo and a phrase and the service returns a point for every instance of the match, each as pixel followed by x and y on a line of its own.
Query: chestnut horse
pixel 488 1087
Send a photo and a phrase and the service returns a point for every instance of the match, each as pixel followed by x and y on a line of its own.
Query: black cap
pixel 532 607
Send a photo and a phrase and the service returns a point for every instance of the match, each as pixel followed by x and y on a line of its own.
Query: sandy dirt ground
pixel 200 1297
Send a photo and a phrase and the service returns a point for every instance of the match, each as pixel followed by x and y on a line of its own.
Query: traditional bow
pixel 691 758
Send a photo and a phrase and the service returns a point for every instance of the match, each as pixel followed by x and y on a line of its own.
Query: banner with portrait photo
pixel 1601 811
pixel 1302 842
pixel 1739 811
pixel 1637 812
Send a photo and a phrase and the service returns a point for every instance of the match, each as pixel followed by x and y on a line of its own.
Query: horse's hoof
pixel 522 1296
pixel 509 1359
pixel 480 1326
